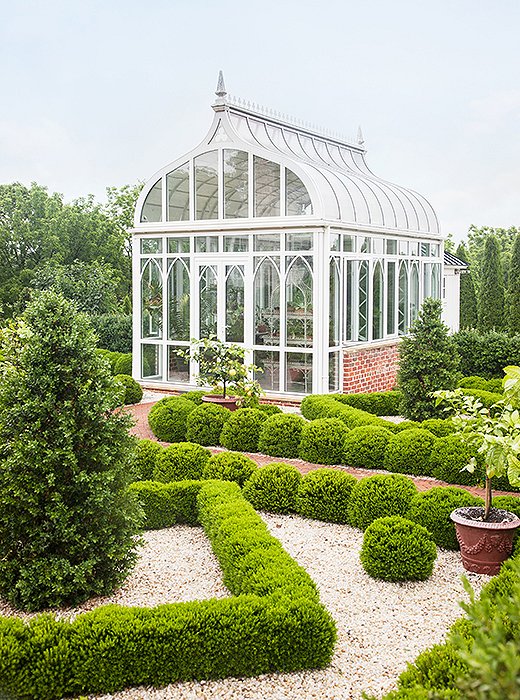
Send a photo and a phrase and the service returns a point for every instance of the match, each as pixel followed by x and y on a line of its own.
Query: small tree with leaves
pixel 491 289
pixel 468 298
pixel 427 362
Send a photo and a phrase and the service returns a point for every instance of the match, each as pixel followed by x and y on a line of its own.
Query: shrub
pixel 317 406
pixel 432 509
pixel 165 505
pixel 133 392
pixel 492 385
pixel 449 456
pixel 324 494
pixel 396 549
pixel 378 496
pixel 406 425
pixel 280 435
pixel 114 332
pixel 270 408
pixel 436 669
pixel 195 396
pixel 273 488
pixel 111 357
pixel 486 354
pixel 322 441
pixel 180 462
pixel 145 459
pixel 409 451
pixel 438 426
pixel 123 364
pixel 379 403
pixel 510 503
pixel 204 424
pixel 486 398
pixel 229 466
pixel 168 418
pixel 365 446
pixel 241 431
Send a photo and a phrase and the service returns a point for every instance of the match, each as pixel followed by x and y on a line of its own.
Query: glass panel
pixel 267 304
pixel 178 193
pixel 206 186
pixel 178 245
pixel 403 247
pixel 350 277
pixel 363 244
pixel 334 371
pixel 414 293
pixel 349 243
pixel 270 241
pixel 435 250
pixel 235 184
pixel 179 300
pixel 298 372
pixel 414 247
pixel 151 300
pixel 426 280
pixel 266 187
pixel 425 249
pixel 377 302
pixel 152 207
pixel 334 241
pixel 377 246
pixel 298 241
pixel 151 361
pixel 178 367
pixel 298 292
pixel 269 361
pixel 297 200
pixel 151 246
pixel 390 298
pixel 391 247
pixel 436 281
pixel 403 298
pixel 235 304
pixel 334 292
pixel 236 244
pixel 363 301
pixel 207 301
pixel 206 244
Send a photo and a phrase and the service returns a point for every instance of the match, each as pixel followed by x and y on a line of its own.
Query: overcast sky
pixel 98 93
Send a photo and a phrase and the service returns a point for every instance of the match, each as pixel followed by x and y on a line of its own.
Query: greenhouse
pixel 277 236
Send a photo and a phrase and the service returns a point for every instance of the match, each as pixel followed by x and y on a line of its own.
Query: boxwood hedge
pixel 365 446
pixel 409 451
pixel 280 435
pixel 324 494
pixel 377 496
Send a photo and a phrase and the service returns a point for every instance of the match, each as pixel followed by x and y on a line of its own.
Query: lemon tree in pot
pixel 485 534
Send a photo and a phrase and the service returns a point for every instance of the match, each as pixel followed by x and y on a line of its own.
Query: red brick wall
pixel 370 368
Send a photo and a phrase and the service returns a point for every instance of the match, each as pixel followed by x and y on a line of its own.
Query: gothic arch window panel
pixel 151 298
pixel 266 300
pixel 377 301
pixel 436 281
pixel 299 302
pixel 235 301
pixel 152 207
pixel 178 300
pixel 206 185
pixel 391 288
pixel 363 285
pixel 334 302
pixel 208 291
pixel 414 291
pixel 297 199
pixel 178 193
pixel 236 182
pixel 403 298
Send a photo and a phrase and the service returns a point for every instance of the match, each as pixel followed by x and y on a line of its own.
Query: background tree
pixel 513 289
pixel 476 245
pixel 67 522
pixel 427 362
pixel 491 291
pixel 468 299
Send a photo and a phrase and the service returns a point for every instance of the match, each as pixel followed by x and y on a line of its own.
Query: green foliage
pixel 322 441
pixel 427 362
pixel 486 398
pixel 123 364
pixel 379 403
pixel 194 396
pixel 167 504
pixel 324 494
pixel 145 459
pixel 468 299
pixel 270 408
pixel 485 354
pixel 510 503
pixel 494 386
pixel 131 391
pixel 229 466
pixel 241 431
pixel 204 424
pixel 60 436
pixel 491 289
pixel 432 509
pixel 513 289
pixel 168 418
pixel 436 669
pixel 396 549
pixel 366 446
pixel 407 425
pixel 273 488
pixel 450 456
pixel 280 435
pixel 409 451
pixel 438 426
pixel 378 496
pixel 180 462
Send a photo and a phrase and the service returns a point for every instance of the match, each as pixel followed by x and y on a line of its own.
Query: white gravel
pixel 381 625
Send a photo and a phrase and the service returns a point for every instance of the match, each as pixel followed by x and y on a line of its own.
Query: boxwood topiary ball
pixel 180 462
pixel 167 419
pixel 449 456
pixel 323 441
pixel 409 451
pixel 396 549
pixel 273 488
pixel 324 494
pixel 204 424
pixel 365 446
pixel 145 460
pixel 123 364
pixel 378 496
pixel 242 430
pixel 229 466
pixel 440 427
pixel 280 435
pixel 133 391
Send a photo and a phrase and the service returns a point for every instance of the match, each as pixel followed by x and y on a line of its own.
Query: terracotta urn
pixel 225 401
pixel 484 544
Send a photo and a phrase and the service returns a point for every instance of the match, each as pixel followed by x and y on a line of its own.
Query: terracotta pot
pixel 484 545
pixel 227 402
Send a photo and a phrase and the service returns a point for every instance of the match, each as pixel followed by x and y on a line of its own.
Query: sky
pixel 100 93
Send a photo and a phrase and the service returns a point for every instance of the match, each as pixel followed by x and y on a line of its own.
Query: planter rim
pixel 483 525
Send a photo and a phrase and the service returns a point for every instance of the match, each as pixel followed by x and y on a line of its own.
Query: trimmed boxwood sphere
pixel 438 426
pixel 270 408
pixel 409 451
pixel 378 496
pixel 324 494
pixel 396 549
pixel 168 417
pixel 406 425
pixel 432 509
pixel 195 396
pixel 242 430
pixel 204 424
pixel 280 435
pixel 133 390
pixel 273 488
pixel 146 454
pixel 181 462
pixel 229 466
pixel 449 455
pixel 123 364
pixel 510 503
pixel 365 446
pixel 323 441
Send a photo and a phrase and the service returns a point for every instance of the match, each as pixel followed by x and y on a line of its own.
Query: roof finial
pixel 221 88
pixel 360 138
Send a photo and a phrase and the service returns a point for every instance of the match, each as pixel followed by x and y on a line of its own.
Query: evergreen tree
pixel 427 362
pixel 491 290
pixel 67 522
pixel 513 290
pixel 468 299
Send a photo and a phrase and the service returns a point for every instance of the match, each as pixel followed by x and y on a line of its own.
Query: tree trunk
pixel 487 501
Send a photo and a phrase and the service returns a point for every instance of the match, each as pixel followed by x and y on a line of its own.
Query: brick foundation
pixel 370 368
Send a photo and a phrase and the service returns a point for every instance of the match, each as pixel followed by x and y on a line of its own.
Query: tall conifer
pixel 491 290
pixel 468 298
pixel 513 289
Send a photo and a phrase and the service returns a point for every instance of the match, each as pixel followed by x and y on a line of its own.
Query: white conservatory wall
pixel 451 298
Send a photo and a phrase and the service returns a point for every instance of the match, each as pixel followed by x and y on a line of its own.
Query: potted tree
pixel 485 534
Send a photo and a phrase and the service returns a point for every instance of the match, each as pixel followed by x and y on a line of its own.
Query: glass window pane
pixel 178 367
pixel 178 193
pixel 236 244
pixel 151 246
pixel 391 247
pixel 152 207
pixel 267 304
pixel 414 292
pixel 297 200
pixel 403 298
pixel 377 302
pixel 425 249
pixel 235 184
pixel 206 186
pixel 235 304
pixel 298 292
pixel 426 280
pixel 178 245
pixel 363 301
pixel 298 241
pixel 349 243
pixel 334 373
pixel 390 298
pixel 179 300
pixel 151 361
pixel 151 300
pixel 350 277
pixel 414 247
pixel 403 247
pixel 206 244
pixel 436 281
pixel 207 301
pixel 334 241
pixel 364 244
pixel 269 362
pixel 266 242
pixel 377 246
pixel 266 187
pixel 298 372
pixel 435 250
pixel 334 292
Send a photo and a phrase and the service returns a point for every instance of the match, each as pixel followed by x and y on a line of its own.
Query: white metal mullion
pixel 136 308
pixel 221 298
pixel 321 300
pixel 164 274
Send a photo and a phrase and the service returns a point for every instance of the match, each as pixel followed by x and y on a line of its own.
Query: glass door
pixel 221 299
